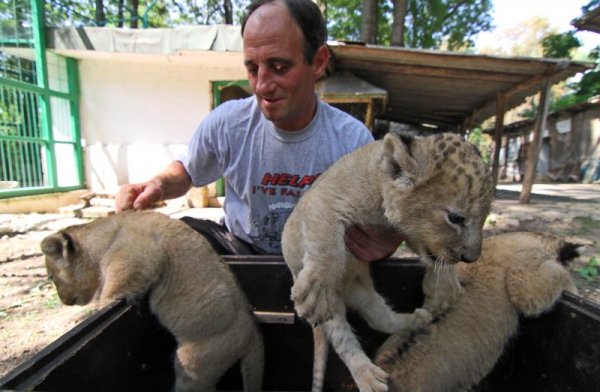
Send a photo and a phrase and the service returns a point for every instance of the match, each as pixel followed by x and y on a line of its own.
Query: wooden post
pixel 498 131
pixel 535 146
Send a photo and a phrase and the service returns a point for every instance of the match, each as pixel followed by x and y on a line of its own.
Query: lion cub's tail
pixel 253 363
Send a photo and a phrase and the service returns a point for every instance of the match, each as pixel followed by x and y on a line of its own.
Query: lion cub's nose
pixel 467 259
pixel 470 257
pixel 470 253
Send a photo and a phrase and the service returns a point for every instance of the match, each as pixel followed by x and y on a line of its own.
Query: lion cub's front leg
pixel 441 289
pixel 317 288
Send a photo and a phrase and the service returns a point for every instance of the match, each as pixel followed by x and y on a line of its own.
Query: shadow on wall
pixel 110 165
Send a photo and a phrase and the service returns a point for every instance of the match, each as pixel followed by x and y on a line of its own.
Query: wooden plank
pixel 536 144
pixel 499 126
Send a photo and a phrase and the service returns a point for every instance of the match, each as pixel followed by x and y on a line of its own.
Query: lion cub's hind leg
pixel 368 376
pixel 253 364
pixel 200 364
pixel 196 368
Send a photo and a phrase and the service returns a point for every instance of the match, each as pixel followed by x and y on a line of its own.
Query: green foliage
pixel 560 45
pixel 482 142
pixel 15 20
pixel 586 88
pixel 343 22
pixel 149 13
pixel 590 271
pixel 428 24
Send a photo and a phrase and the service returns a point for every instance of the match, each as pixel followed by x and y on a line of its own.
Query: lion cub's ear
pixel 398 162
pixel 58 245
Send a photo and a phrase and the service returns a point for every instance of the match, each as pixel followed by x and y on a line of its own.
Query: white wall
pixel 139 111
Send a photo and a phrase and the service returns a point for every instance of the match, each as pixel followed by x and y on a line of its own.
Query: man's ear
pixel 320 61
pixel 58 245
pixel 398 162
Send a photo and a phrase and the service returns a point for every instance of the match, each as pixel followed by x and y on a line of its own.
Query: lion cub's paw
pixel 421 318
pixel 313 300
pixel 410 321
pixel 371 378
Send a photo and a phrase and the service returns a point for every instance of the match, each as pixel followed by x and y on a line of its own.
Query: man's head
pixel 308 17
pixel 285 54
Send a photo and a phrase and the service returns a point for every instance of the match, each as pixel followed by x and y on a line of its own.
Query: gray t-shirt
pixel 267 169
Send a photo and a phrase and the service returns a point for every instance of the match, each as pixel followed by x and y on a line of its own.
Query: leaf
pixel 584 273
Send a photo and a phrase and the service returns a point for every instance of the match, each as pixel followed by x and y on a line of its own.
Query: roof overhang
pixel 590 21
pixel 441 90
pixel 448 90
pixel 523 127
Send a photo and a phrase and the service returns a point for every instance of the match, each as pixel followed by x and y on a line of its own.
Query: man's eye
pixel 280 68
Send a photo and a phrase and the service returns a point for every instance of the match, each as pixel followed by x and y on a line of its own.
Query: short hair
pixel 308 16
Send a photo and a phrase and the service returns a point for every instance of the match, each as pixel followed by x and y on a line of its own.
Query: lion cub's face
pixel 76 278
pixel 440 193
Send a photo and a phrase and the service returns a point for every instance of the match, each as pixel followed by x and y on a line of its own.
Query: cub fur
pixel 435 190
pixel 191 290
pixel 518 273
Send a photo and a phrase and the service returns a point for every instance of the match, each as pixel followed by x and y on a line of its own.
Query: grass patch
pixel 590 271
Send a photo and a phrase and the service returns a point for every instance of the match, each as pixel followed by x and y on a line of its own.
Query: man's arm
pixel 370 243
pixel 172 182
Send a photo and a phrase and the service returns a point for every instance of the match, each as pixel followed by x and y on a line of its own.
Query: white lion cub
pixel 435 190
pixel 191 290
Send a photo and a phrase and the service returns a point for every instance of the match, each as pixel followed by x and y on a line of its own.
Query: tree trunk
pixel 369 22
pixel 228 12
pixel 100 14
pixel 135 16
pixel 536 144
pixel 572 170
pixel 397 36
pixel 120 13
pixel 498 131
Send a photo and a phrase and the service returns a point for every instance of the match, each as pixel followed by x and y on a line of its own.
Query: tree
pixel 343 22
pixel 526 37
pixel 158 13
pixel 587 87
pixel 430 22
pixel 399 16
pixel 560 45
pixel 369 22
pixel 416 23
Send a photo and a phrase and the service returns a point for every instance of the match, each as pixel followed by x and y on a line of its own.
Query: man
pixel 270 147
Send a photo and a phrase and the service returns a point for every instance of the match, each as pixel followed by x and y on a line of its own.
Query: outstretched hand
pixel 172 182
pixel 138 196
pixel 370 243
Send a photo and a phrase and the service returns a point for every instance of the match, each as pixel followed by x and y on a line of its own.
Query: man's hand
pixel 173 182
pixel 138 196
pixel 370 243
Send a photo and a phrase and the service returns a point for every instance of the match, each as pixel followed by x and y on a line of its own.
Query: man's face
pixel 283 82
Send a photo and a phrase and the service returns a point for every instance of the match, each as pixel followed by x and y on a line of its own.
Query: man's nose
pixel 264 82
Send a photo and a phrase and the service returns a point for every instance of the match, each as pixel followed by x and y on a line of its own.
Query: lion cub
pixel 191 290
pixel 518 273
pixel 435 190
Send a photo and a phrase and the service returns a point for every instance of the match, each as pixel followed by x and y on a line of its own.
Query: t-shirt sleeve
pixel 206 149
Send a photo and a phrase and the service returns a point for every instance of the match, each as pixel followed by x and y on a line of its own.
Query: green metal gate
pixel 40 142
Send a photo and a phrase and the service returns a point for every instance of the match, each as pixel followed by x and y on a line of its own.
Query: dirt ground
pixel 31 315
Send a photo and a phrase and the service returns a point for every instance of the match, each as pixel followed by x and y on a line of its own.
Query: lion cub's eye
pixel 455 218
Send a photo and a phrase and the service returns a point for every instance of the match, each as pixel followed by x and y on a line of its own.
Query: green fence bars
pixel 40 141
